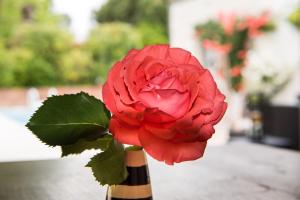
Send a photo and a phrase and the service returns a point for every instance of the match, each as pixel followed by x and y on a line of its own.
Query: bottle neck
pixel 135 158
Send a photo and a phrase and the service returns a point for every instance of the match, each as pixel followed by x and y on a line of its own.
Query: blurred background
pixel 252 47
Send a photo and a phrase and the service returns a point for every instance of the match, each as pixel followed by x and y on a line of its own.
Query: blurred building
pixel 184 15
pixel 278 50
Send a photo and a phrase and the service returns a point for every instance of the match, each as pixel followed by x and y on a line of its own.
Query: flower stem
pixel 134 148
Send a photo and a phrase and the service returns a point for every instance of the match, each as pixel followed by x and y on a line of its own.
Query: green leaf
pixel 109 167
pixel 63 120
pixel 84 144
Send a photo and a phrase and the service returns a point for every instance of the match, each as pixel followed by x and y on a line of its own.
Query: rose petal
pixel 130 54
pixel 218 111
pixel 207 86
pixel 205 132
pixel 155 51
pixel 108 91
pixel 152 67
pixel 169 152
pixel 161 130
pixel 123 92
pixel 121 107
pixel 134 78
pixel 224 108
pixel 199 105
pixel 124 133
pixel 179 56
pixel 194 61
pixel 132 120
pixel 156 116
pixel 186 135
pixel 108 98
pixel 169 101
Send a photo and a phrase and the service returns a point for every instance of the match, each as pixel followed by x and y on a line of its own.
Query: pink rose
pixel 255 24
pixel 221 48
pixel 162 99
pixel 228 21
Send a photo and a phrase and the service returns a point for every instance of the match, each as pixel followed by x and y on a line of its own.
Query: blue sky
pixel 80 12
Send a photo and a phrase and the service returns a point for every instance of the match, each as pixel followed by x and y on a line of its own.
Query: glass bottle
pixel 137 186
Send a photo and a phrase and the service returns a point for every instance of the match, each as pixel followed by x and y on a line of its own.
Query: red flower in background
pixel 236 71
pixel 242 54
pixel 222 48
pixel 228 21
pixel 255 24
pixel 162 99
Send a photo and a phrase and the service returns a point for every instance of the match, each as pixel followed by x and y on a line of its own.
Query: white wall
pixel 282 45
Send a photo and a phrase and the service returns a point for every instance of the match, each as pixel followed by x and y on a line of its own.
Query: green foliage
pixel 108 43
pixel 236 42
pixel 23 62
pixel 63 120
pixel 109 166
pixel 18 62
pixel 42 55
pixel 134 148
pixel 39 72
pixel 39 49
pixel 211 30
pixel 152 33
pixel 149 16
pixel 87 144
pixel 76 67
pixel 36 51
pixel 134 11
pixel 294 18
pixel 12 14
pixel 45 41
pixel 14 65
pixel 32 44
pixel 269 27
pixel 239 41
pixel 79 122
pixel 7 76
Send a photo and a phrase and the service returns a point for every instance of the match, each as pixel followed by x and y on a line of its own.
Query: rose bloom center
pixel 165 92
